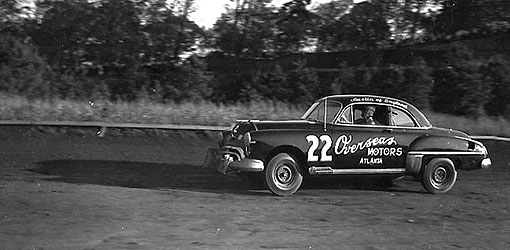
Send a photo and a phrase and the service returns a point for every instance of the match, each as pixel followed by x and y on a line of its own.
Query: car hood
pixel 290 124
pixel 243 126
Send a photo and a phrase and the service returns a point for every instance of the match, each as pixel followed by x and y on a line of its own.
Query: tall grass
pixel 484 125
pixel 201 113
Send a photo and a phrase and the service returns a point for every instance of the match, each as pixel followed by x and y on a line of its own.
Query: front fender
pixel 265 142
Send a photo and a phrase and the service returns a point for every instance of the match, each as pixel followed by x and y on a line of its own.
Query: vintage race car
pixel 348 135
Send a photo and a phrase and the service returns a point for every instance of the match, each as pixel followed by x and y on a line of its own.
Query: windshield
pixel 323 109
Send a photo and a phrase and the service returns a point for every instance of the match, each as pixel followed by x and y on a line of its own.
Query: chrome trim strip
pixel 444 153
pixel 329 170
pixel 233 149
pixel 379 126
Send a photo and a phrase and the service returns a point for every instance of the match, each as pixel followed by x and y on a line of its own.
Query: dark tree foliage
pixel 364 27
pixel 255 29
pixel 294 24
pixel 496 75
pixel 470 18
pixel 132 49
pixel 21 67
pixel 458 87
pixel 418 84
pixel 412 83
pixel 120 44
pixel 246 30
pixel 297 86
pixel 22 70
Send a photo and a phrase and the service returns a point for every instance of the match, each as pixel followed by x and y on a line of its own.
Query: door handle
pixel 387 130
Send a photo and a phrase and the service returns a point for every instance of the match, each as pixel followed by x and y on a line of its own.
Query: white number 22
pixel 315 145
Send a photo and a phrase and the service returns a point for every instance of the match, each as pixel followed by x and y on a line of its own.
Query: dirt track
pixel 130 190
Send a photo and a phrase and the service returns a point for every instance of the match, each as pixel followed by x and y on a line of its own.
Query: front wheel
pixel 439 176
pixel 283 175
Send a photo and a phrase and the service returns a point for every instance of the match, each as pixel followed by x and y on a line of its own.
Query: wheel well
pixel 293 151
pixel 455 160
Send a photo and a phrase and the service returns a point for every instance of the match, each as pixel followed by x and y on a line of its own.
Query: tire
pixel 283 175
pixel 439 176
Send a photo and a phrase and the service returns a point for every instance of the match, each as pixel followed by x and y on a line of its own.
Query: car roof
pixel 384 100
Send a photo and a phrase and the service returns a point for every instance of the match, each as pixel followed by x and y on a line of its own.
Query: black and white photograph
pixel 254 124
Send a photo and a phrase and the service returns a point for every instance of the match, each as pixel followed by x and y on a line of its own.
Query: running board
pixel 329 170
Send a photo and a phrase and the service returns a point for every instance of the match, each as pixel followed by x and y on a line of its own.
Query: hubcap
pixel 440 175
pixel 284 174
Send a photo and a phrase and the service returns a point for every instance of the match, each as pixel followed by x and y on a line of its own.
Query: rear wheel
pixel 439 176
pixel 283 175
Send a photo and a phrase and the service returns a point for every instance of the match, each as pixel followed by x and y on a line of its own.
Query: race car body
pixel 349 135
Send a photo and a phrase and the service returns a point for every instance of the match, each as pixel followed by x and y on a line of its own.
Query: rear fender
pixel 428 147
pixel 441 143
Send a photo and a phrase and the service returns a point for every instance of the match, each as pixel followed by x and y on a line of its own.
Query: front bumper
pixel 225 163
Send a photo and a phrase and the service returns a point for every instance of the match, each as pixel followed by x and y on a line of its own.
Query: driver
pixel 367 116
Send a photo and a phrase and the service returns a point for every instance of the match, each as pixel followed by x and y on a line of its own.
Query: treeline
pixel 130 50
pixel 461 84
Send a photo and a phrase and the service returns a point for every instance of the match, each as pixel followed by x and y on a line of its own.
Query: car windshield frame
pixel 317 105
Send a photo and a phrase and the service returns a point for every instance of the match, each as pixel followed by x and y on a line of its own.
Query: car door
pixel 367 148
pixel 405 129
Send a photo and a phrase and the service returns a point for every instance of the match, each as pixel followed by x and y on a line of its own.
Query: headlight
pixel 247 139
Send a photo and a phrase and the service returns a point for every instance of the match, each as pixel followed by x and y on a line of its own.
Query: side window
pixel 371 114
pixel 346 116
pixel 400 118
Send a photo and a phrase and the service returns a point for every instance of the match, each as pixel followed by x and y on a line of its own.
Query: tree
pixel 21 68
pixel 458 87
pixel 496 74
pixel 365 26
pixel 182 10
pixel 113 34
pixel 459 18
pixel 294 25
pixel 406 18
pixel 246 29
pixel 328 15
pixel 168 32
pixel 60 33
pixel 418 84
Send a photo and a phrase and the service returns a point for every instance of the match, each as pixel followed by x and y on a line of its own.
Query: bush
pixel 496 74
pixel 458 87
pixel 21 68
pixel 293 87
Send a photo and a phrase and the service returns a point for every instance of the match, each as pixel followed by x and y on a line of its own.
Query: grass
pixel 203 113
